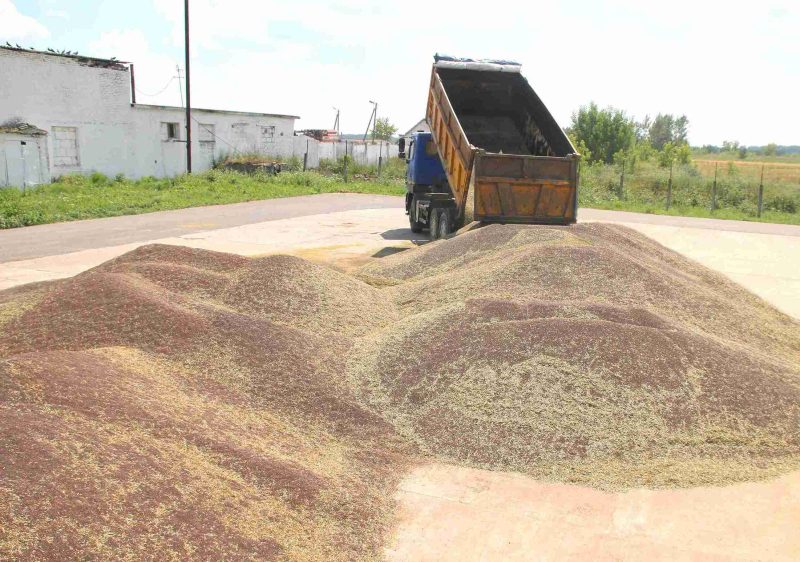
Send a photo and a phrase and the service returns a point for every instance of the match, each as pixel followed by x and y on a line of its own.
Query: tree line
pixel 609 135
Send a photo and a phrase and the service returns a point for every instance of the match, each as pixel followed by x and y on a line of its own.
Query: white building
pixel 421 126
pixel 62 114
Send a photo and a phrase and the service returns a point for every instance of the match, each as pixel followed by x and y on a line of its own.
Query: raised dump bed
pixel 505 157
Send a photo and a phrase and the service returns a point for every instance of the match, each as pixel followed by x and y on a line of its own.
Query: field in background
pixel 773 170
pixel 645 188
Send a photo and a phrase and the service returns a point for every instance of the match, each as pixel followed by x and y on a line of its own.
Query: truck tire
pixel 444 224
pixel 416 226
pixel 433 223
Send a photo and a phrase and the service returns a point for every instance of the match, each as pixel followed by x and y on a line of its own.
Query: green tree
pixel 742 152
pixel 679 153
pixel 580 146
pixel 668 128
pixel 771 149
pixel 604 132
pixel 643 129
pixel 383 129
pixel 730 146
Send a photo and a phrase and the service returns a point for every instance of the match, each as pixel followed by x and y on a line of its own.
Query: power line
pixel 158 92
pixel 213 134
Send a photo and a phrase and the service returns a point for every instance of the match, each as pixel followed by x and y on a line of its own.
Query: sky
pixel 732 67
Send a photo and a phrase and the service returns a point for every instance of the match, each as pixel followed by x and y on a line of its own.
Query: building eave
pixel 225 111
pixel 113 64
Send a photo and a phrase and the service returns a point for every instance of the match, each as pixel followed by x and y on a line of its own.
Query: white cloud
pixel 731 67
pixel 16 27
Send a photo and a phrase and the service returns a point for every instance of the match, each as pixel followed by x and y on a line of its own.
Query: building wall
pixel 91 102
pixel 92 125
pixel 214 134
pixel 23 160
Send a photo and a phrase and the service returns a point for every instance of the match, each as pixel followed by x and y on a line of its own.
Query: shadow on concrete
pixel 389 251
pixel 405 234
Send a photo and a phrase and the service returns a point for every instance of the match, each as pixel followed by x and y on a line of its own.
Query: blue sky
pixel 732 67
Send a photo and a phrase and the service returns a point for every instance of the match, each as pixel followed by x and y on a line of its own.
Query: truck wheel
pixel 444 224
pixel 433 223
pixel 416 226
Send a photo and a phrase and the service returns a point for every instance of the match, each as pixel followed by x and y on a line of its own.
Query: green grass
pixel 82 197
pixel 646 186
pixel 699 212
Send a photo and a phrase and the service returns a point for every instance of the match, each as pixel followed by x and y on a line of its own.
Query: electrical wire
pixel 213 134
pixel 158 92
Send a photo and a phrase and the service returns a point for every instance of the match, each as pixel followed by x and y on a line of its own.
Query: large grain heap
pixel 185 404
pixel 587 354
pixel 146 412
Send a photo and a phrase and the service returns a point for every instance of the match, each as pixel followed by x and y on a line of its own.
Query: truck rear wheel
pixel 444 224
pixel 433 223
pixel 416 226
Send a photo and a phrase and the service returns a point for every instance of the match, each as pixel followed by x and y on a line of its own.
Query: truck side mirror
pixel 401 148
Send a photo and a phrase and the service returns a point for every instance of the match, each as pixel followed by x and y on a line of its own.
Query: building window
pixel 170 131
pixel 65 147
pixel 268 133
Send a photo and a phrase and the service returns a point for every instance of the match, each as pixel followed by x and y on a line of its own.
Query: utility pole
pixel 188 95
pixel 372 117
pixel 180 84
pixel 336 122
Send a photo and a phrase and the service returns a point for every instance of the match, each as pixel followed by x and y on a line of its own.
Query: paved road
pixel 65 237
pixel 62 238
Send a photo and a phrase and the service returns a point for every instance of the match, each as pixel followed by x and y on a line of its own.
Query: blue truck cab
pixel 429 201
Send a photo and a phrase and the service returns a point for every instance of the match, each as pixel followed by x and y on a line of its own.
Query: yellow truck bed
pixel 505 157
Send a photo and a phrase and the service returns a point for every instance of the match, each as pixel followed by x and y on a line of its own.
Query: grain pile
pixel 585 354
pixel 142 416
pixel 184 404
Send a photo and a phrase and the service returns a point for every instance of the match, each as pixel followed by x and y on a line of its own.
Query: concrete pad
pixel 345 239
pixel 57 267
pixel 461 514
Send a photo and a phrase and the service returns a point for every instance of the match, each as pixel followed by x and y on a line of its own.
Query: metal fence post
pixel 621 194
pixel 345 161
pixel 669 187
pixel 380 157
pixel 714 188
pixel 761 192
pixel 305 158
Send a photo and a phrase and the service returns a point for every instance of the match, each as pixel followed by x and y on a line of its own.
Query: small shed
pixel 23 155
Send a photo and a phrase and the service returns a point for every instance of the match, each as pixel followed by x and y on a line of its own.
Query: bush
pixel 98 179
pixel 782 203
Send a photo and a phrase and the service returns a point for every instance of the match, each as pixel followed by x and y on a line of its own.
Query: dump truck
pixel 494 153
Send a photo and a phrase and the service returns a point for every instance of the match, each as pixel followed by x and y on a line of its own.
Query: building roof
pixel 422 124
pixel 251 113
pixel 111 63
pixel 20 128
